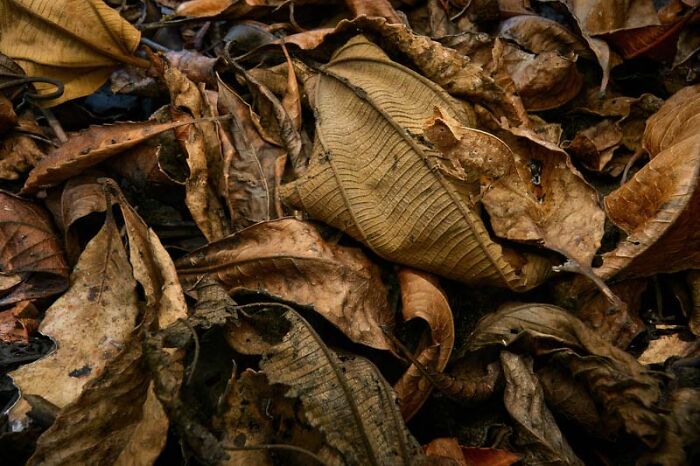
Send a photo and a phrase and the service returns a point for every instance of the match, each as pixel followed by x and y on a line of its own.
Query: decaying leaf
pixel 288 258
pixel 543 67
pixel 78 42
pixel 91 322
pixel 610 375
pixel 658 207
pixel 595 146
pixel 423 298
pixel 243 420
pixel 204 186
pixel 373 177
pixel 617 326
pixel 89 148
pixel 32 264
pixel 253 170
pixel 536 430
pixel 344 396
pixel 18 151
pixel 531 191
pixel 96 378
pixel 18 322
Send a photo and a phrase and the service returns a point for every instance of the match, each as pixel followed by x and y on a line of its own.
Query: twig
pixel 574 266
pixel 193 367
pixel 55 125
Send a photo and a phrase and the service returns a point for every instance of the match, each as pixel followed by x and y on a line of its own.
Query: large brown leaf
pixel 345 397
pixel 288 258
pixel 658 207
pixel 91 322
pixel 374 177
pixel 78 42
pixel 99 326
pixel 32 264
pixel 422 298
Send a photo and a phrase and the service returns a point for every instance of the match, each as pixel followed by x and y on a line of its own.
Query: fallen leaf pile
pixel 387 232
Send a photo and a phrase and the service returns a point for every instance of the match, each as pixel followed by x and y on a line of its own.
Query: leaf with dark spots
pixel 89 148
pixel 30 252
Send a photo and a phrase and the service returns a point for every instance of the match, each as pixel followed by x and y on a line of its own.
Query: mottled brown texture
pixel 289 259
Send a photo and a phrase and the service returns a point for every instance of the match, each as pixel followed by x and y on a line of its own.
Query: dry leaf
pixel 78 42
pixel 536 431
pixel 657 208
pixel 19 152
pixel 446 448
pixel 422 298
pixel 203 8
pixel 594 146
pixel 667 346
pixel 543 68
pixel 288 258
pixel 626 392
pixel 19 322
pixel 344 396
pixel 243 419
pixel 617 326
pixel 253 171
pixel 469 456
pixel 31 257
pixel 205 186
pixel 380 8
pixel 531 191
pixel 677 119
pixel 91 322
pixel 90 147
pixel 372 176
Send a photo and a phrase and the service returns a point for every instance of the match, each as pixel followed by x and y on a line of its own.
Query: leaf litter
pixel 316 232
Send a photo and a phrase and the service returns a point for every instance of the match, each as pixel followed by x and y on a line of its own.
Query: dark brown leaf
pixel 31 257
pixel 536 431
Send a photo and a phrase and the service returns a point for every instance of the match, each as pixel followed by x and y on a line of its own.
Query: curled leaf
pixel 32 264
pixel 288 258
pixel 531 191
pixel 536 430
pixel 658 207
pixel 422 298
pixel 90 147
pixel 628 394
